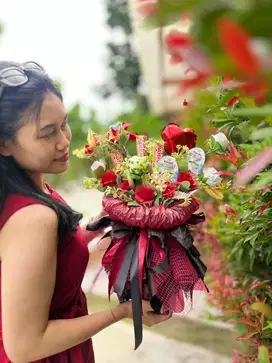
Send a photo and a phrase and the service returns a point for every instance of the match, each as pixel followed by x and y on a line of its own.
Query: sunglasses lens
pixel 34 67
pixel 13 77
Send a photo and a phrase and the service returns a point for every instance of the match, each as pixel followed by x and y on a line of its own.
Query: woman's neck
pixel 39 181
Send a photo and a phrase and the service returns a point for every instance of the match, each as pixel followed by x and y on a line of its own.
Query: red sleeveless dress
pixel 68 300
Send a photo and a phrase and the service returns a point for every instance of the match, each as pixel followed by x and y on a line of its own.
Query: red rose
pixel 125 185
pixel 173 136
pixel 189 178
pixel 109 178
pixel 169 191
pixel 144 195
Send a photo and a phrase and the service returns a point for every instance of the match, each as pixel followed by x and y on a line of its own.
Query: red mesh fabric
pixel 173 287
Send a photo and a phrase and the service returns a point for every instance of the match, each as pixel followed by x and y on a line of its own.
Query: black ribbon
pixel 130 265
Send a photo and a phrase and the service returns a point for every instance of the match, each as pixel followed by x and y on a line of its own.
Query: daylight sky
pixel 67 38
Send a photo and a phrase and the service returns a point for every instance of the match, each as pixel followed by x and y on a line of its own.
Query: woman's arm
pixel 28 263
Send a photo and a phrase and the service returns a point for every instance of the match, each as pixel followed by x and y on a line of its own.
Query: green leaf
pixel 207 98
pixel 264 179
pixel 262 308
pixel 186 185
pixel 263 355
pixel 157 199
pixel 133 204
pixel 261 133
pixel 254 111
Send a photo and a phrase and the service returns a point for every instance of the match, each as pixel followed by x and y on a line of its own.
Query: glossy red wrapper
pixel 156 217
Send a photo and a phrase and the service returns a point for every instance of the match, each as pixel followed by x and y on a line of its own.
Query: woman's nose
pixel 63 142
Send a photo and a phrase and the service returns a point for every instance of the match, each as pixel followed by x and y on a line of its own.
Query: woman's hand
pixel 90 235
pixel 149 317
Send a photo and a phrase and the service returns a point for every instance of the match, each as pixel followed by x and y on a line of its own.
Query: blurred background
pixel 111 61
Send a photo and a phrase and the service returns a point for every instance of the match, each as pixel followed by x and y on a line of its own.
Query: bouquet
pixel 149 198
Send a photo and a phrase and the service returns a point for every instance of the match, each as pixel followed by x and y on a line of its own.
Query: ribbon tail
pixel 119 285
pixel 194 257
pixel 142 252
pixel 136 298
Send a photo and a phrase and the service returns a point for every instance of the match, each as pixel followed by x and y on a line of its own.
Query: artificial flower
pixel 212 176
pixel 222 140
pixel 144 195
pixel 109 178
pixel 174 136
pixel 125 185
pixel 187 177
pixel 169 190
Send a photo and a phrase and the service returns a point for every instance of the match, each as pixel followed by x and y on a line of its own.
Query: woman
pixel 43 251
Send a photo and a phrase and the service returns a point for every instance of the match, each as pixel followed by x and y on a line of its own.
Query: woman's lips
pixel 63 158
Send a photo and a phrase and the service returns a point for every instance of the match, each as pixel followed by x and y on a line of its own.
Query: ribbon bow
pixel 134 263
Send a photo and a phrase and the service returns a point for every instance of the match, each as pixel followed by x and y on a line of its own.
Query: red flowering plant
pixel 150 203
pixel 228 58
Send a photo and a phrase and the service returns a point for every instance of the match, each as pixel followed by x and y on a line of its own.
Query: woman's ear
pixel 4 148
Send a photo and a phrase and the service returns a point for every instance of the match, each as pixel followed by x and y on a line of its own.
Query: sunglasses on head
pixel 15 76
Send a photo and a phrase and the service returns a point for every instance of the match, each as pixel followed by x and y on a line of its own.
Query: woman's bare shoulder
pixel 29 222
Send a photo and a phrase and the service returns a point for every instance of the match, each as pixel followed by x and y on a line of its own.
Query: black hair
pixel 14 102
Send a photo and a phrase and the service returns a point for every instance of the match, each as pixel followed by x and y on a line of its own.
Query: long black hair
pixel 14 102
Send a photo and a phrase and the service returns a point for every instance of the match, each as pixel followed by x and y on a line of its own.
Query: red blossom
pixel 125 185
pixel 88 149
pixel 185 103
pixel 177 39
pixel 264 207
pixel 108 179
pixel 173 136
pixel 113 134
pixel 233 101
pixel 257 89
pixel 237 44
pixel 176 42
pixel 233 156
pixel 144 195
pixel 198 80
pixel 227 79
pixel 187 177
pixel 169 191
pixel 229 210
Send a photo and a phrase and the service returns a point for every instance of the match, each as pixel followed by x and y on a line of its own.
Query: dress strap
pixel 13 203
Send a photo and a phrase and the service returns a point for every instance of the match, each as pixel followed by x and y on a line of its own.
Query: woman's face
pixel 43 146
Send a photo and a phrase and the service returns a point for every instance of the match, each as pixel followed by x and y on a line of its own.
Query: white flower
pixel 212 176
pixel 98 168
pixel 98 164
pixel 222 140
